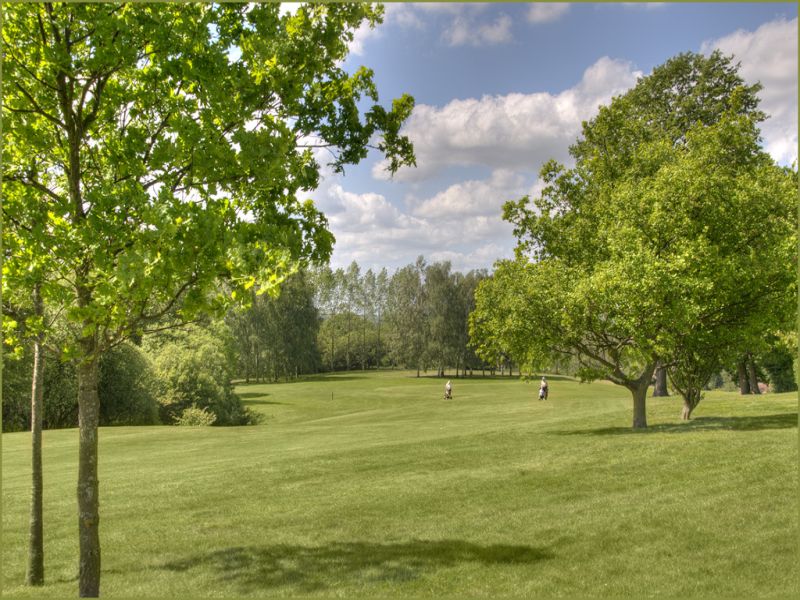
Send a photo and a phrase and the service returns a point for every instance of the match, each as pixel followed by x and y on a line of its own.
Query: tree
pixel 380 298
pixel 649 238
pixel 166 161
pixel 405 311
pixel 28 285
pixel 442 313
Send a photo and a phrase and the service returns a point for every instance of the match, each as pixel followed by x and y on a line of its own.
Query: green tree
pixel 166 162
pixel 28 287
pixel 648 242
pixel 405 311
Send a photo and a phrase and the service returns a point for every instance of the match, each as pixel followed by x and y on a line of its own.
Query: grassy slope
pixel 385 489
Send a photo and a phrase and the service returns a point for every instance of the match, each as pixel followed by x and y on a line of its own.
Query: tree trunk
pixel 660 387
pixel 744 384
pixel 378 353
pixel 751 373
pixel 88 484
pixel 639 407
pixel 690 401
pixel 687 410
pixel 35 574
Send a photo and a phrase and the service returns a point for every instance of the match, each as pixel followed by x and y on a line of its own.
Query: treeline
pixel 338 320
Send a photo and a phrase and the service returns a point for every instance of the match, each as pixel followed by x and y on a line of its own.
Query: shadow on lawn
pixel 308 569
pixel 777 421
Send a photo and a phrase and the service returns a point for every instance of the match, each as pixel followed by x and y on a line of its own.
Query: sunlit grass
pixel 372 485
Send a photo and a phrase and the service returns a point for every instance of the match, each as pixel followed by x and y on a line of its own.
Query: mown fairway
pixel 372 485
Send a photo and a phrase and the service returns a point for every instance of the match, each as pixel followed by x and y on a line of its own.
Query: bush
pixel 16 391
pixel 780 366
pixel 195 417
pixel 126 388
pixel 60 394
pixel 194 367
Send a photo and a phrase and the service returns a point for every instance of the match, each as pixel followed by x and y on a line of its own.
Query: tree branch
pixel 39 109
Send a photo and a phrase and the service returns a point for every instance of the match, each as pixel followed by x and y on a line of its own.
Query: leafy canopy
pixel 163 146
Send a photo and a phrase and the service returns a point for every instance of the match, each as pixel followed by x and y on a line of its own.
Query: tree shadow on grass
pixel 246 395
pixel 308 569
pixel 758 423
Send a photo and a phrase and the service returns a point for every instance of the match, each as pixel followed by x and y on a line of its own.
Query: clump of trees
pixel 672 241
pixel 342 319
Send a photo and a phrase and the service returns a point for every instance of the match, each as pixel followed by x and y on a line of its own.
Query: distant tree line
pixel 342 319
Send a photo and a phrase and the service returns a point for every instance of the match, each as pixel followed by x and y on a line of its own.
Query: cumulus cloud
pixel 461 224
pixel 462 24
pixel 769 55
pixel 515 131
pixel 546 12
pixel 473 198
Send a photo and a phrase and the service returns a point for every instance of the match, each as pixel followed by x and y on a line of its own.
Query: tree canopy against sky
pixel 673 227
pixel 165 162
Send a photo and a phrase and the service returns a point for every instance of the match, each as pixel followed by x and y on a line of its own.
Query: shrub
pixel 195 417
pixel 194 367
pixel 126 388
pixel 16 391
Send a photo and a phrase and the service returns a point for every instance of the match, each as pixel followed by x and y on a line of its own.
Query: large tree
pixel 650 236
pixel 169 144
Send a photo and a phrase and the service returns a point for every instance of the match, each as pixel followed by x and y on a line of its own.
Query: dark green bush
pixel 194 367
pixel 126 388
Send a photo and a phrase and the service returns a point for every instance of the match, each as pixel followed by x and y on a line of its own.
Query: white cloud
pixel 464 31
pixel 546 12
pixel 769 55
pixel 361 35
pixel 516 131
pixel 461 223
pixel 462 23
pixel 474 197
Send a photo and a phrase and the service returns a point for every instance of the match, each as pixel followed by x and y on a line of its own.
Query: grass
pixel 371 485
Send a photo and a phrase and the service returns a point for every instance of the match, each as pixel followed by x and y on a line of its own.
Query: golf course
pixel 371 485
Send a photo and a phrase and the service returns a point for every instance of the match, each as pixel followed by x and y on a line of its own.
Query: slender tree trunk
pixel 744 384
pixel 660 387
pixel 332 348
pixel 752 376
pixel 35 574
pixel 378 357
pixel 88 484
pixel 347 348
pixel 690 402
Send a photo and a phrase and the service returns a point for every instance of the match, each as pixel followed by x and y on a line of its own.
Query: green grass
pixel 372 485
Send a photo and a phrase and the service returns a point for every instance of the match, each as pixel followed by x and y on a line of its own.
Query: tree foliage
pixel 671 239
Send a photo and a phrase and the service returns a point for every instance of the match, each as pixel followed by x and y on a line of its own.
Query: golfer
pixel 543 389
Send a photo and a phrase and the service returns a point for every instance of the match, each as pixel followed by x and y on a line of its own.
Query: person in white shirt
pixel 543 389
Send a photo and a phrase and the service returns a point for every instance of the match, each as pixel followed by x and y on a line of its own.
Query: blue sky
pixel 500 88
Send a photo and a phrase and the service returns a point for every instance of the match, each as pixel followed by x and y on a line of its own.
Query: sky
pixel 500 88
